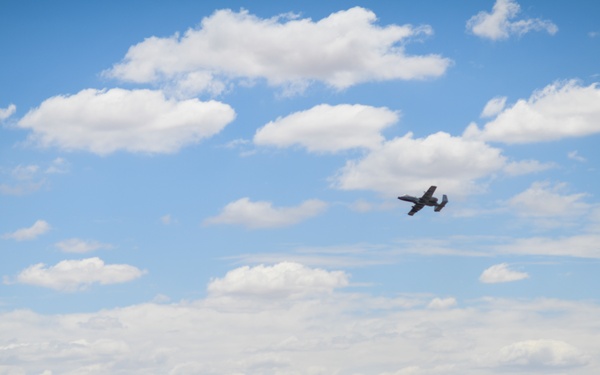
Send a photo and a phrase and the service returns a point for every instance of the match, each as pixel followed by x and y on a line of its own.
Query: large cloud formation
pixel 413 164
pixel 105 121
pixel 560 110
pixel 341 50
pixel 326 128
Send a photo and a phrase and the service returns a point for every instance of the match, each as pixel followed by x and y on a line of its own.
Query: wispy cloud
pixel 37 229
pixel 76 245
pixel 501 23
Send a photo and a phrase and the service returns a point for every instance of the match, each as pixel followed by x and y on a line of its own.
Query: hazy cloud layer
pixel 560 110
pixel 37 229
pixel 339 332
pixel 501 23
pixel 105 121
pixel 262 214
pixel 500 273
pixel 77 275
pixel 326 128
pixel 341 50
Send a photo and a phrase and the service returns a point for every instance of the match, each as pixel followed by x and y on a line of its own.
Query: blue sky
pixel 193 188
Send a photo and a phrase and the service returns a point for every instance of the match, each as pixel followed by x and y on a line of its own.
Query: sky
pixel 211 187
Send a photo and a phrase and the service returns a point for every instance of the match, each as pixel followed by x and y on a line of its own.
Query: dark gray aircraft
pixel 426 200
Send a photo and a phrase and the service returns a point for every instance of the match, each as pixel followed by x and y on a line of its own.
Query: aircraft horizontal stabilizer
pixel 439 207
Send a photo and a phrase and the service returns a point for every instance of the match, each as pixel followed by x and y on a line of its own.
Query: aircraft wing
pixel 416 208
pixel 429 193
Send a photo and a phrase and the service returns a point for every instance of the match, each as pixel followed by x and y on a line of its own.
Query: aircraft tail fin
pixel 439 207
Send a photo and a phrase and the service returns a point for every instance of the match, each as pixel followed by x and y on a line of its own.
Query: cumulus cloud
pixel 541 354
pixel 501 23
pixel 105 121
pixel 411 165
pixel 7 112
pixel 341 50
pixel 282 279
pixel 326 128
pixel 77 275
pixel 500 273
pixel 262 214
pixel 76 245
pixel 543 199
pixel 560 110
pixel 37 229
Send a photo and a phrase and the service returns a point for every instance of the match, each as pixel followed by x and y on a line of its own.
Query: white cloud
pixel 318 333
pixel 574 155
pixel 580 246
pixel 105 121
pixel 442 303
pixel 262 214
pixel 500 273
pixel 76 245
pixel 58 166
pixel 77 275
pixel 542 199
pixel 493 107
pixel 37 229
pixel 7 112
pixel 326 128
pixel 560 110
pixel 409 165
pixel 282 279
pixel 541 354
pixel 500 25
pixel 341 50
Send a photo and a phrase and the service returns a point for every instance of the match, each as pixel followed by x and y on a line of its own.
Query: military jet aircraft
pixel 426 200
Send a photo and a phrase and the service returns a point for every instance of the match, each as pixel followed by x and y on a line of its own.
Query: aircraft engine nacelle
pixel 433 200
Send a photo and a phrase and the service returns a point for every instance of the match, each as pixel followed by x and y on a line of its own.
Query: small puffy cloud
pixel 411 165
pixel 7 112
pixel 37 229
pixel 58 166
pixel 326 128
pixel 77 275
pixel 442 303
pixel 76 245
pixel 541 354
pixel 501 23
pixel 106 121
pixel 282 279
pixel 560 110
pixel 344 49
pixel 542 199
pixel 500 273
pixel 262 214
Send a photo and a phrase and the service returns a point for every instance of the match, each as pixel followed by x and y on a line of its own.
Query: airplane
pixel 426 200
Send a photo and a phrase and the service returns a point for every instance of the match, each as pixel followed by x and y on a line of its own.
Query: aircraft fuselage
pixel 433 201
